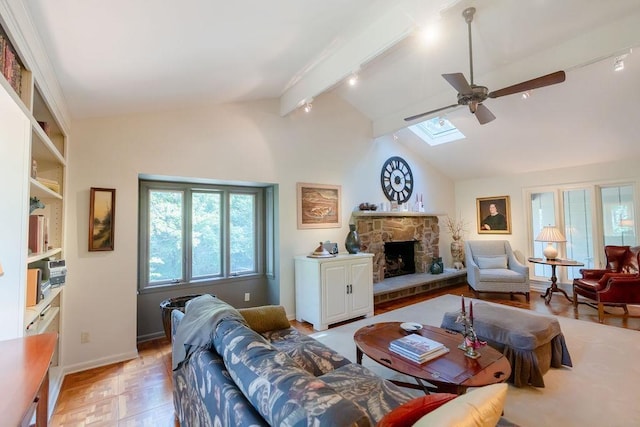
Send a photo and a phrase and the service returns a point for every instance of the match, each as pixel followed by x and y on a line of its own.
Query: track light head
pixel 307 107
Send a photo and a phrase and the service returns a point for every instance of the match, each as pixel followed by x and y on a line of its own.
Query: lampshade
pixel 550 234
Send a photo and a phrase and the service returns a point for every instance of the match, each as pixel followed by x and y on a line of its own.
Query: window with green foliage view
pixel 192 233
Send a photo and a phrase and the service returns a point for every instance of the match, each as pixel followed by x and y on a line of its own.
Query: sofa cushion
pixel 265 318
pixel 501 275
pixel 481 407
pixel 371 393
pixel 283 393
pixel 408 413
pixel 308 353
pixel 496 261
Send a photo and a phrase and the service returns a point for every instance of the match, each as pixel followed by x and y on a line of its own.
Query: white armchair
pixel 492 267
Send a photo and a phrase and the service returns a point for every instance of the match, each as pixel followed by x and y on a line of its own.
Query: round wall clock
pixel 396 179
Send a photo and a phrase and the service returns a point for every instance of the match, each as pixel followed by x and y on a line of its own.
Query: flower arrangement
pixel 456 227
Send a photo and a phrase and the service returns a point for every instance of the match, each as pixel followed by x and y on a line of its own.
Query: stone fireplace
pixel 378 228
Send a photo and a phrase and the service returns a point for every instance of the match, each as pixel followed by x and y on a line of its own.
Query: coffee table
pixel 452 372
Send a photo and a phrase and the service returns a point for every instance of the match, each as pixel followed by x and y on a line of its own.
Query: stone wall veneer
pixel 376 229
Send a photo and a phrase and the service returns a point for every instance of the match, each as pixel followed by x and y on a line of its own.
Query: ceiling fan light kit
pixel 474 95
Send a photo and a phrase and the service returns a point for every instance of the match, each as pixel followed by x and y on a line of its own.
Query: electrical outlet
pixel 247 296
pixel 84 337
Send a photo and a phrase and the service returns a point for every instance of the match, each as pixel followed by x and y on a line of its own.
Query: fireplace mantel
pixel 394 214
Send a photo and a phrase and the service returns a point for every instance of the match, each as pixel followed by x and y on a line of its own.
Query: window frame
pixel 147 185
pixel 597 227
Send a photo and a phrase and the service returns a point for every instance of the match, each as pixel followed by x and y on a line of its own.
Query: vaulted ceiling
pixel 125 56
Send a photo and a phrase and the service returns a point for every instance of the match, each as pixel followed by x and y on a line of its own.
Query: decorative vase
pixel 352 243
pixel 457 250
pixel 437 267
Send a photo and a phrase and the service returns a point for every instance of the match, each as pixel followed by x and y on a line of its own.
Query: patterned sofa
pixel 248 367
pixel 277 377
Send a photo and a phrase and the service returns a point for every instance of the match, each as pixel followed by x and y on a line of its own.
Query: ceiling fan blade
pixel 459 82
pixel 417 116
pixel 483 114
pixel 549 79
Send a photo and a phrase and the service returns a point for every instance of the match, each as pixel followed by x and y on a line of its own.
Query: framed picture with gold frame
pixel 494 215
pixel 319 206
pixel 102 210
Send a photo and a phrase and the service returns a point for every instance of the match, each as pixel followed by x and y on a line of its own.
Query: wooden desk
pixel 24 375
pixel 554 263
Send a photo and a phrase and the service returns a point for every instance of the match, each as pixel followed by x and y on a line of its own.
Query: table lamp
pixel 550 234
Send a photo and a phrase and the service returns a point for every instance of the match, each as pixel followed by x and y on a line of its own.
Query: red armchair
pixel 617 285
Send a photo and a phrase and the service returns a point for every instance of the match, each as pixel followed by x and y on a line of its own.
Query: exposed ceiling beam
pixel 392 24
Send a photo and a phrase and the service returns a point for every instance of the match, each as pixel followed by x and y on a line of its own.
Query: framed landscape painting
pixel 494 215
pixel 319 206
pixel 102 207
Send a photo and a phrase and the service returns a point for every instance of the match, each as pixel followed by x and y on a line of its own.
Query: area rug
pixel 601 389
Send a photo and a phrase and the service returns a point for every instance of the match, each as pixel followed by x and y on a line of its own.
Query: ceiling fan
pixel 474 95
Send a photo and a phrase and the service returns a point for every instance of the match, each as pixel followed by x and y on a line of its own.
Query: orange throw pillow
pixel 410 412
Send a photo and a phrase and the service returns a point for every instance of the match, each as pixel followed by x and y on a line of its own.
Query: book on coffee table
pixel 417 347
pixel 430 356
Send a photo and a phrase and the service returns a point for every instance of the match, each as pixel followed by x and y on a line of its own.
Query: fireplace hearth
pixel 399 258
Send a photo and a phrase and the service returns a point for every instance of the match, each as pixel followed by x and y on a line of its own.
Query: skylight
pixel 436 131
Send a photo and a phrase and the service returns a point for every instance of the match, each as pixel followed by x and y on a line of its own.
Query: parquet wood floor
pixel 139 392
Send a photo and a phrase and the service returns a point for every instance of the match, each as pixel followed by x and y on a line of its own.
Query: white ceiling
pixel 125 56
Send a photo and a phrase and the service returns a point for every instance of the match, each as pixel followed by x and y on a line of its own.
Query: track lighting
pixel 618 65
pixel 307 107
pixel 526 95
pixel 353 79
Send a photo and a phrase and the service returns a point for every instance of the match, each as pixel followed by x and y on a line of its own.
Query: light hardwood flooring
pixel 139 392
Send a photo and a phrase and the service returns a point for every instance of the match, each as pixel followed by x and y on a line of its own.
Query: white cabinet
pixel 330 290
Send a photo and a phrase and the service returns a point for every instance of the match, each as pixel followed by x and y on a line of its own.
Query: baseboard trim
pixel 150 337
pixel 97 363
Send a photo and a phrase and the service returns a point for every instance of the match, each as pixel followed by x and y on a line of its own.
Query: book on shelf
pixel 427 357
pixel 38 233
pixel 416 345
pixel 11 68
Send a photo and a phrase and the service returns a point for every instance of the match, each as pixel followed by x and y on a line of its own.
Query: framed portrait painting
pixel 102 205
pixel 494 215
pixel 318 206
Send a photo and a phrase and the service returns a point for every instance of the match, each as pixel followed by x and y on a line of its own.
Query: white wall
pixel 239 142
pixel 466 193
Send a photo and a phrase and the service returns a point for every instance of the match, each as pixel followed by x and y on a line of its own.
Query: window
pixel 618 215
pixel 578 228
pixel 436 131
pixel 199 233
pixel 587 229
